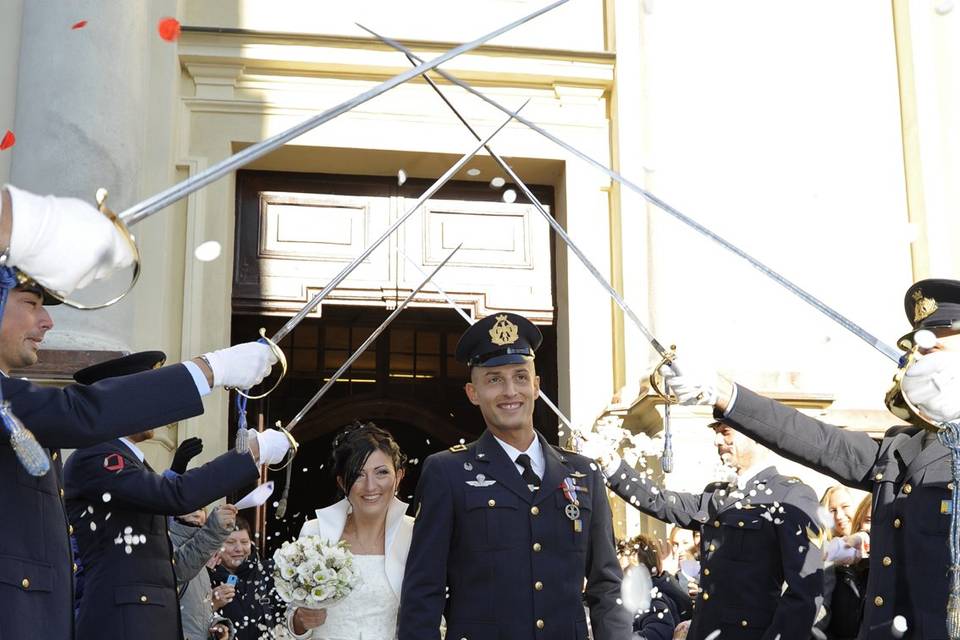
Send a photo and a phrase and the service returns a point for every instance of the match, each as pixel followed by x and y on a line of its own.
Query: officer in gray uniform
pixel 908 471
pixel 758 534
pixel 509 527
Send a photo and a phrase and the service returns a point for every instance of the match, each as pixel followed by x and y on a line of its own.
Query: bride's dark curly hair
pixel 351 448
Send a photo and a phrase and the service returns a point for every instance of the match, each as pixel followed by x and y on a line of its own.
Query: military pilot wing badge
pixel 578 474
pixel 481 481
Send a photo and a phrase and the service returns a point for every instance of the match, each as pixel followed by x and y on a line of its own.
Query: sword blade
pixel 798 291
pixel 177 192
pixel 426 195
pixel 470 321
pixel 558 229
pixel 366 343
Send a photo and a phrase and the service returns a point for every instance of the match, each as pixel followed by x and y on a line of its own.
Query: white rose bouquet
pixel 312 572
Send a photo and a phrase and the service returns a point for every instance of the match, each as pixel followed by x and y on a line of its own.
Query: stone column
pixel 80 125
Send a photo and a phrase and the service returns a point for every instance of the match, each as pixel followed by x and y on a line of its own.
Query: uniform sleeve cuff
pixel 198 378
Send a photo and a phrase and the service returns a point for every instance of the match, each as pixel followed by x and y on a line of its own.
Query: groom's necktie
pixel 529 476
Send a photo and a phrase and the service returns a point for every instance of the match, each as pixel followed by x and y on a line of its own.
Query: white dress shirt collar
pixel 535 451
pixel 134 448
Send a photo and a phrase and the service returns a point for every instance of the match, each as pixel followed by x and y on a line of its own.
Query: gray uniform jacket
pixel 193 547
pixel 910 483
pixel 753 541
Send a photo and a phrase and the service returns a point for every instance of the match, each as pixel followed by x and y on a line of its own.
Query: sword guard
pixel 125 232
pixel 656 377
pixel 292 453
pixel 897 402
pixel 281 358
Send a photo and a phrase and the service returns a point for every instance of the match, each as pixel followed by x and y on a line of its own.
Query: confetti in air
pixel 169 29
pixel 207 251
pixel 8 140
pixel 79 25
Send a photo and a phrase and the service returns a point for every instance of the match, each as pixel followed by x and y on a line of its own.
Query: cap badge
pixel 504 332
pixel 923 307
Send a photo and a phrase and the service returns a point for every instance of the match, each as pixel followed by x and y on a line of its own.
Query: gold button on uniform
pixel 712 547
pixel 537 547
pixel 706 596
pixel 740 524
pixel 716 523
pixel 143 598
pixel 887 561
pixel 491 502
pixel 539 624
pixel 61 493
pixel 878 477
pixel 56 454
pixel 907 488
pixel 897 523
pixel 878 601
pixel 706 572
pixel 25 583
pixel 75 567
pixel 538 585
pixel 743 623
pixel 535 510
pixel 70 529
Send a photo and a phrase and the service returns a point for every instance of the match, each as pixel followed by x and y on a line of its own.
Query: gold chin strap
pixel 897 403
pixel 122 229
pixel 281 358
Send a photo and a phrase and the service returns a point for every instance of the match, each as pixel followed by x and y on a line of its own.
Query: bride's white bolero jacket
pixel 329 525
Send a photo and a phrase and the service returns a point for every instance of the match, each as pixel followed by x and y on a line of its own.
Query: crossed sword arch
pixel 164 199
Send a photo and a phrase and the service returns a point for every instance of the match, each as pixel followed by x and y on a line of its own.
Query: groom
pixel 508 527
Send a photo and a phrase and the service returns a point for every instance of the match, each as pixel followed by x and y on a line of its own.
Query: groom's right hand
pixel 306 619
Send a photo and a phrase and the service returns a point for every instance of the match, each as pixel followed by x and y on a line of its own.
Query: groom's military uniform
pixel 499 560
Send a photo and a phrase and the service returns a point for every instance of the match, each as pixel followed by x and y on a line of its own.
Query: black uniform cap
pixel 133 363
pixel 48 300
pixel 931 304
pixel 503 338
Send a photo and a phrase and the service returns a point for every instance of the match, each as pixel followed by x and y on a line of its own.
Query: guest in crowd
pixel 250 603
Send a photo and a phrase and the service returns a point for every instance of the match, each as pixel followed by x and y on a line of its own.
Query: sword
pixel 282 503
pixel 165 198
pixel 667 357
pixel 807 297
pixel 463 314
pixel 366 343
pixel 241 443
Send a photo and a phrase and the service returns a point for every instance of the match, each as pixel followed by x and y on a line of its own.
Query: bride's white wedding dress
pixel 369 612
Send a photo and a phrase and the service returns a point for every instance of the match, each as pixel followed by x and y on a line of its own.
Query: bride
pixel 368 467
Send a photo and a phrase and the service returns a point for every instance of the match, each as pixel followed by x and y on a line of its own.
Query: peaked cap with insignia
pixel 124 366
pixel 931 304
pixel 503 338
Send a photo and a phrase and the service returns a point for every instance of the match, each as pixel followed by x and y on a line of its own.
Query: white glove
pixel 690 388
pixel 241 366
pixel 273 445
pixel 63 243
pixel 932 385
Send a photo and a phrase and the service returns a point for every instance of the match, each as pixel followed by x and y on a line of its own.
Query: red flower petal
pixel 79 25
pixel 169 29
pixel 8 141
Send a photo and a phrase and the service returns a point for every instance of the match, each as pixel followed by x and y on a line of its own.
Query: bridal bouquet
pixel 312 572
